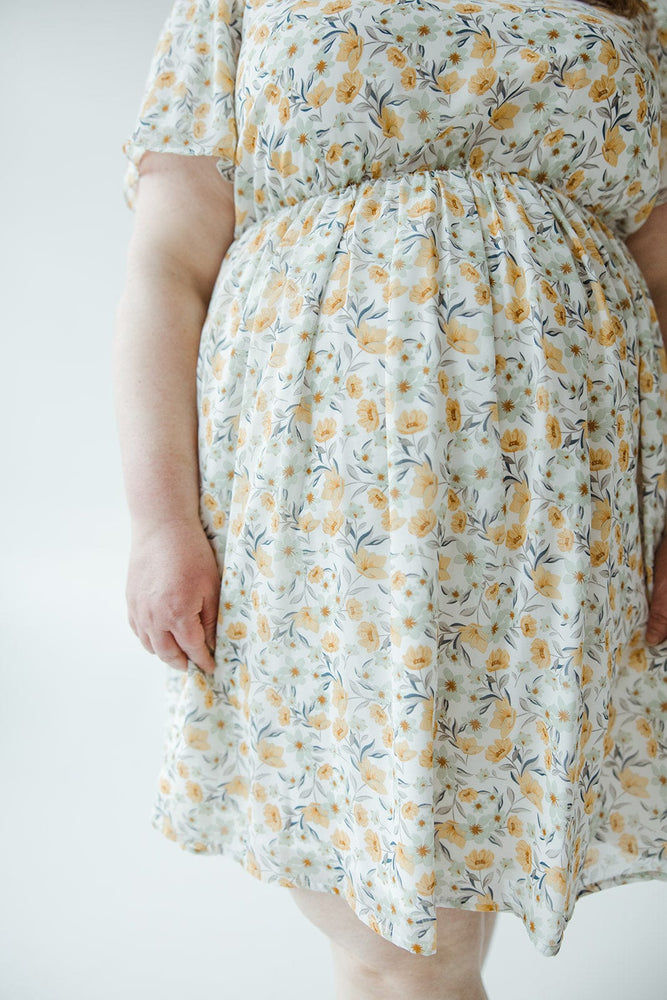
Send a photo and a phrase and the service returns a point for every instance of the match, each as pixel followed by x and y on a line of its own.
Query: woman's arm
pixel 184 224
pixel 649 248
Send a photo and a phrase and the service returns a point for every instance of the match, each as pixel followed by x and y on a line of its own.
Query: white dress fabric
pixel 432 402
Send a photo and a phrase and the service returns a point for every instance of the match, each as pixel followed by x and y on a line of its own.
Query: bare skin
pixel 184 224
pixel 368 967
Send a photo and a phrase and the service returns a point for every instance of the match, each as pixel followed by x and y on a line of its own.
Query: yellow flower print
pixel 341 840
pixel 370 564
pixel 499 749
pixel 474 636
pixel 475 162
pixel 540 71
pixel 339 729
pixel 367 412
pixel 478 860
pixel 613 145
pixel 427 254
pixel 498 660
pixel 565 540
pixel 374 776
pixel 517 310
pixel 194 791
pixel 576 79
pixel 513 439
pixel 403 859
pixel 540 653
pixel 333 523
pixel 453 414
pixel 423 290
pixel 272 817
pixel 469 744
pixel 555 879
pixel 628 844
pixel 449 83
pixel 270 753
pixel 609 55
pixel 482 80
pixel 304 618
pixel 553 435
pixel 371 338
pixel 425 484
pixel 411 422
pixel 514 826
pixel 524 855
pixel 368 636
pixel 528 625
pixel 443 563
pixel 403 750
pixel 461 337
pixel 503 116
pixel 196 738
pixel 637 660
pixel 426 884
pixel 315 813
pixel 602 89
pixel 531 789
pixel 546 582
pixel 417 657
pixel 484 48
pixel 320 94
pixel 422 523
pixel 318 721
pixel 504 717
pixel 573 182
pixel 601 518
pixel 452 832
pixel 600 459
pixel 553 356
pixel 361 816
pixel 350 49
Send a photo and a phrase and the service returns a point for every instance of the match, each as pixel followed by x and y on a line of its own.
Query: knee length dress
pixel 432 403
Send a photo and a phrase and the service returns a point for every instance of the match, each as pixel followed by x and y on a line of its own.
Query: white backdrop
pixel 93 901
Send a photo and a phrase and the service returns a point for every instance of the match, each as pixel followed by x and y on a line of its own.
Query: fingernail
pixel 652 638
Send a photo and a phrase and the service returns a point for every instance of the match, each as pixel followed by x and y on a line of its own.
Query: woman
pixel 391 394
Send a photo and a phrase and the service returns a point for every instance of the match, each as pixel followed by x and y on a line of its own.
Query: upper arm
pixel 184 217
pixel 648 246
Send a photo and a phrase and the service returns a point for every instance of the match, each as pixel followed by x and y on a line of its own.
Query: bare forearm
pixel 156 340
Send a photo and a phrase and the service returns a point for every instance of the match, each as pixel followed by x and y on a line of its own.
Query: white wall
pixel 93 902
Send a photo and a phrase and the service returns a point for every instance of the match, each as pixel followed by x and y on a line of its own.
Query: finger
pixel 190 637
pixel 145 640
pixel 169 651
pixel 209 617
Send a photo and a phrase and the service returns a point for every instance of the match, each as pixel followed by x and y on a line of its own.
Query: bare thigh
pixel 462 939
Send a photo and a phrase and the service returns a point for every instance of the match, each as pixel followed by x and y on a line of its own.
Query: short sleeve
pixel 188 100
pixel 658 55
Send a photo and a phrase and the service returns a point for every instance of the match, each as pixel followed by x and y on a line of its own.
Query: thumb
pixel 209 617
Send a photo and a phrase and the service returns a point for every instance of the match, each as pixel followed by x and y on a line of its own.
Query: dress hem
pixel 240 857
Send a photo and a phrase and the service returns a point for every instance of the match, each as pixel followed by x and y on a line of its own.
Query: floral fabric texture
pixel 432 400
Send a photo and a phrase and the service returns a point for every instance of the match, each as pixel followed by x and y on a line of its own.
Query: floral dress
pixel 432 403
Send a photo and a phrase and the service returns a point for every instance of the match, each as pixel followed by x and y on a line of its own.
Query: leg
pixel 369 968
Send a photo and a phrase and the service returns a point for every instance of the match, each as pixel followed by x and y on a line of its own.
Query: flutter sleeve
pixel 188 102
pixel 657 48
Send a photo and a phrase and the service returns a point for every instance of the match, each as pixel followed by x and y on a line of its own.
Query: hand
pixel 656 629
pixel 173 589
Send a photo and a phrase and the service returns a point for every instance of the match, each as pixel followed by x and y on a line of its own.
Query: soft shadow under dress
pixel 432 399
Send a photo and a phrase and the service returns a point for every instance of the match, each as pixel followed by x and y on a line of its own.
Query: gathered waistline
pixel 513 176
